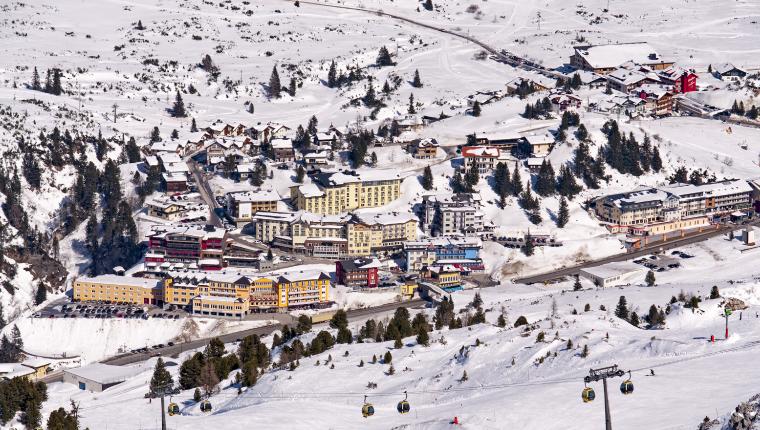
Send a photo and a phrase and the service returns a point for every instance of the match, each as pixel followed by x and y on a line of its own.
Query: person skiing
pixel 651 372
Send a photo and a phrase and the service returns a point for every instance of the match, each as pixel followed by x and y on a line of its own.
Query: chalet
pixel 541 143
pixel 728 70
pixel 604 59
pixel 360 272
pixel 534 81
pixel 534 164
pixel 622 104
pixel 167 209
pixel 327 139
pixel 589 78
pixel 282 149
pixel 409 123
pixel 161 147
pixel 484 158
pixel 316 160
pixel 659 99
pixel 562 102
pixel 244 171
pixel 151 162
pixel 424 149
pixel 274 130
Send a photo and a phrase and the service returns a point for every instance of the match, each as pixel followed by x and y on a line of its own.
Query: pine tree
pixel 197 395
pixel 656 160
pixel 563 215
pixel 714 293
pixel 387 358
pixel 545 181
pixel 383 57
pixel 577 284
pixel 464 377
pixel 411 109
pixel 274 84
pixel 41 294
pixel 427 179
pixel 162 380
pixel 517 185
pixel 621 311
pixel 476 108
pixel 270 256
pixel 31 416
pixel 428 4
pixel 528 247
pixel 422 337
pixel 36 80
pixel 332 75
pixel 502 183
pixel 178 110
pixel 56 88
pixel 585 352
pixel 534 216
pixel 634 320
pixel 155 135
pixel 501 321
pixel 139 25
pixel 208 379
pixel 416 82
pixel 193 126
pixel 292 88
pixel 650 280
pixel 566 185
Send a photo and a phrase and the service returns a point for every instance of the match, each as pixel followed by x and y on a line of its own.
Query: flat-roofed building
pixel 118 289
pixel 604 59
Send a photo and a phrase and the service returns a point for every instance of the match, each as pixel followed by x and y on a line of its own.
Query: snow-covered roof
pixel 180 167
pixel 609 56
pixel 361 263
pixel 715 189
pixel 544 138
pixel 254 196
pixel 104 373
pixel 281 143
pixel 725 68
pixel 310 190
pixel 481 152
pixel 387 218
pixel 170 157
pixel 36 362
pixel 151 161
pixel 276 216
pixel 466 241
pixel 109 279
pixel 611 270
pixel 303 275
pixel 192 230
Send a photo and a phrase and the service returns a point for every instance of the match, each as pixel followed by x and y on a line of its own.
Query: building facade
pixel 118 289
pixel 187 245
pixel 334 193
pixel 358 272
pixel 243 205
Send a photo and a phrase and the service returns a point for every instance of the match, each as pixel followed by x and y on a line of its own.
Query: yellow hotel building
pixel 334 193
pixel 118 289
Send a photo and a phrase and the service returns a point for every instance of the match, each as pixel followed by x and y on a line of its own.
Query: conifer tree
pixel 332 75
pixel 476 108
pixel 36 80
pixel 634 320
pixel 422 337
pixel 528 246
pixel 621 311
pixel 162 380
pixel 383 57
pixel 416 82
pixel 427 179
pixel 193 126
pixel 387 358
pixel 292 89
pixel 563 214
pixel 274 84
pixel 545 181
pixel 178 110
pixel 386 88
pixel 566 185
pixel 41 294
pixel 517 185
pixel 502 183
pixel 501 321
pixel 577 284
pixel 534 216
pixel 656 160
pixel 411 109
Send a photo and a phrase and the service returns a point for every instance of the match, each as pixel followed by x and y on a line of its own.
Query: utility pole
pixel 603 373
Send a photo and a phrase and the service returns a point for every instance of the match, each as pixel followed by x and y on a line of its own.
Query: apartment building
pixel 463 253
pixel 118 289
pixel 243 205
pixel 338 192
pixel 190 244
pixel 648 208
pixel 335 236
pixel 456 214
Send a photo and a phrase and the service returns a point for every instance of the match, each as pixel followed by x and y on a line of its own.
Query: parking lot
pixel 66 309
pixel 662 263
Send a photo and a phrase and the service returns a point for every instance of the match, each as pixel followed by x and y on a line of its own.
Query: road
pixel 206 194
pixel 124 359
pixel 673 243
pixel 501 55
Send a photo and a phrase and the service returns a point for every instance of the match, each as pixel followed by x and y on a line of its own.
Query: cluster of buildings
pixel 335 236
pixel 455 215
pixel 224 293
pixel 648 210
